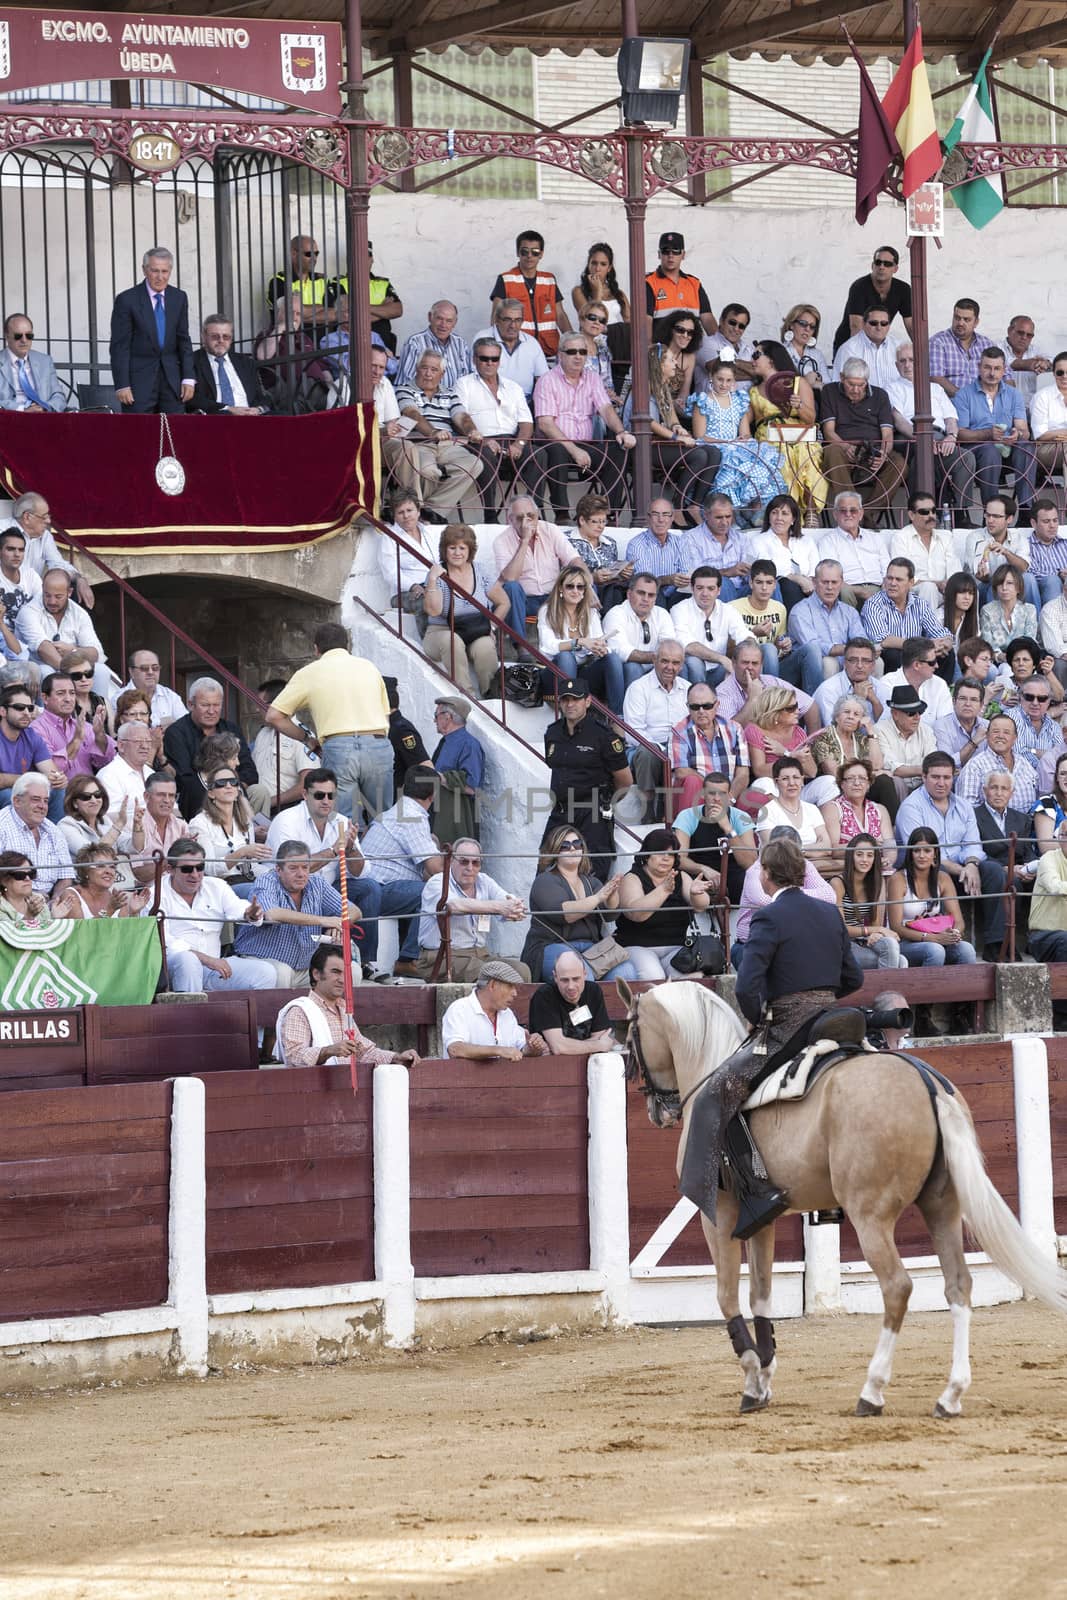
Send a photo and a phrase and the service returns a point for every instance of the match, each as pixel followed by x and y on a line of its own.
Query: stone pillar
pixel 1024 1000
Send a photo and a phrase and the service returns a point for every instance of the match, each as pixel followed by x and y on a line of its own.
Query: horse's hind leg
pixel 876 1241
pixel 726 1254
pixel 941 1213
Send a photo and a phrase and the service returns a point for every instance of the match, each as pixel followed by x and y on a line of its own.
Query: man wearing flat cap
pixel 482 1026
pixel 459 761
pixel 669 289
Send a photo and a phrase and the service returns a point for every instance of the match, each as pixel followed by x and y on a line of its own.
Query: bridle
pixel 664 1105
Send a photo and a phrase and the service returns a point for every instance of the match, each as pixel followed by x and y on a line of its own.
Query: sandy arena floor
pixel 608 1465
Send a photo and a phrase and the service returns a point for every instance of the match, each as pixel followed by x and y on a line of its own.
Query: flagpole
pixel 346 953
pixel 920 328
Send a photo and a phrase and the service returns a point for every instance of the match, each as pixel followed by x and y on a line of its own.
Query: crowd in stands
pixel 772 654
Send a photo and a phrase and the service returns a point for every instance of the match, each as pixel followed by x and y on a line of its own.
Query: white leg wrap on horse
pixel 751 1368
pixel 959 1379
pixel 880 1370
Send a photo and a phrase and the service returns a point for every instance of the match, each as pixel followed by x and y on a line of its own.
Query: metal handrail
pixel 501 632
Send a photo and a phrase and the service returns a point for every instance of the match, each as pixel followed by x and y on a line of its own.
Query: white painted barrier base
pixel 397 1310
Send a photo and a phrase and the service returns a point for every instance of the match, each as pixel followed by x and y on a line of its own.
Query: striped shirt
pixel 398 842
pixel 287 941
pixel 48 852
pixel 1029 743
pixel 648 555
pixel 439 410
pixel 571 406
pixel 455 351
pixel 881 619
pixel 971 781
pixel 949 359
pixel 721 753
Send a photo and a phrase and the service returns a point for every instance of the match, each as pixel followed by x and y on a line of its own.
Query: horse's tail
pixel 988 1216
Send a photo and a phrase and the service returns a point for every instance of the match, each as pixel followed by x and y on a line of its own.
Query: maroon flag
pixel 876 145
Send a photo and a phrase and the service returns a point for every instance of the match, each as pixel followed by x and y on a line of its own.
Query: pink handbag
pixel 940 924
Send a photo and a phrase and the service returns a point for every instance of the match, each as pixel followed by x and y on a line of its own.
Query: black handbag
pixel 471 627
pixel 522 685
pixel 702 953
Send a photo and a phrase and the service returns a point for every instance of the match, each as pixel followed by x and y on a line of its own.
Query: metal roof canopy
pixel 1029 30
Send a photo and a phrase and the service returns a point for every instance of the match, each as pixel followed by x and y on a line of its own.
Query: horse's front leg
pixel 760 1283
pixel 726 1254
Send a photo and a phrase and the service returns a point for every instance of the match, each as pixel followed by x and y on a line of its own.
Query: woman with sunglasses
pixel 775 731
pixel 782 411
pixel 20 902
pixel 1024 659
pixel 680 333
pixel 592 324
pixel 96 891
pixel 80 669
pixel 85 821
pixel 570 633
pixel 600 287
pixel 686 469
pixel 800 331
pixel 225 828
pixel 567 900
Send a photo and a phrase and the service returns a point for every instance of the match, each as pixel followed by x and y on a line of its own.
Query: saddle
pixel 792 1071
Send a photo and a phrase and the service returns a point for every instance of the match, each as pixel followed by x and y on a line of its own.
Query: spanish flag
pixel 910 110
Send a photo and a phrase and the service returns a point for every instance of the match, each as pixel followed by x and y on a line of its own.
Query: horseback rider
pixel 798 960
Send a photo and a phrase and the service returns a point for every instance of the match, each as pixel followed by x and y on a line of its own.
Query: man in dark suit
pixel 225 382
pixel 996 818
pixel 151 352
pixel 798 960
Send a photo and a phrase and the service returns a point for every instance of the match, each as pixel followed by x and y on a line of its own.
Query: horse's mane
pixel 702 1027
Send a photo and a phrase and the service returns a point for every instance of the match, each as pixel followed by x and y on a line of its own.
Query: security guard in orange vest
pixel 536 291
pixel 670 289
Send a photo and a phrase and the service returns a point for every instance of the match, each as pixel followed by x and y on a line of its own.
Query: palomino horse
pixel 869 1137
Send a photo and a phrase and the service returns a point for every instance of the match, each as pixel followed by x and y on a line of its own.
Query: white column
pixel 822 1268
pixel 1033 1140
pixel 392 1204
pixel 188 1225
pixel 609 1195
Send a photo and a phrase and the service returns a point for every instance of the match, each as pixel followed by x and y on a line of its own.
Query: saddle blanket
pixel 793 1079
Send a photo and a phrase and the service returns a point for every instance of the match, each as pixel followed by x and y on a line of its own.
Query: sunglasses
pixel 23 874
pixel 224 783
pixel 736 322
pixel 601 322
pixel 793 706
pixel 23 705
pixel 924 511
pixel 79 677
pixel 90 794
pixel 670 252
pixel 530 251
pixel 702 705
pixel 1037 699
pixel 805 322
pixel 492 360
pixel 190 872
pixel 468 861
pixel 321 794
pixel 1060 372
pixel 880 323
pixel 880 261
pixel 572 844
pixel 28 337
pixel 582 353
pixel 688 333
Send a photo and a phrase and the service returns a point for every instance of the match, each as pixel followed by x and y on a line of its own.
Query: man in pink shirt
pixel 565 402
pixel 163 823
pixel 753 894
pixel 75 745
pixel 530 555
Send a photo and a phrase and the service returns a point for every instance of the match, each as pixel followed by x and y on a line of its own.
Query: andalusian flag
pixel 79 963
pixel 982 198
pixel 910 109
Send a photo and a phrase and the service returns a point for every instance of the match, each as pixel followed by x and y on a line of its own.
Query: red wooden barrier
pixel 137 1044
pixel 290 1181
pixel 1057 1088
pixel 498 1166
pixel 84 1200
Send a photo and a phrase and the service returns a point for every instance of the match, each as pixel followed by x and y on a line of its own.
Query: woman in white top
pixel 800 331
pixel 599 285
pixel 412 574
pixel 85 821
pixel 225 827
pixel 997 545
pixel 790 811
pixel 570 633
pixel 95 892
pixel 794 552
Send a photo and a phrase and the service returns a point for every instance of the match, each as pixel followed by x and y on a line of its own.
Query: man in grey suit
pixel 28 380
pixel 151 352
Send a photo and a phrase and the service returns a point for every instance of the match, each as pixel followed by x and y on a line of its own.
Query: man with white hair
pixel 151 351
pixel 24 826
pixel 125 777
pixel 949 460
pixel 474 900
pixel 521 357
pixel 56 624
pixel 501 416
pixel 859 551
pixel 857 424
pixel 31 512
pixel 430 459
pixel 182 740
pixel 482 1026
pixel 440 337
pixel 530 555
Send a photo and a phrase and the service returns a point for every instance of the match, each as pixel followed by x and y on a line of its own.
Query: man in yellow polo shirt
pixel 346 699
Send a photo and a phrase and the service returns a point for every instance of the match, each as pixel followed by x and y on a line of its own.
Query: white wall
pixel 434 248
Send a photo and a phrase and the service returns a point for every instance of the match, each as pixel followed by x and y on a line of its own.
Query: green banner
pixel 108 962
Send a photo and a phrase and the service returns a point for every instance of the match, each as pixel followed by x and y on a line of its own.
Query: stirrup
pixel 760 1207
pixel 830 1214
